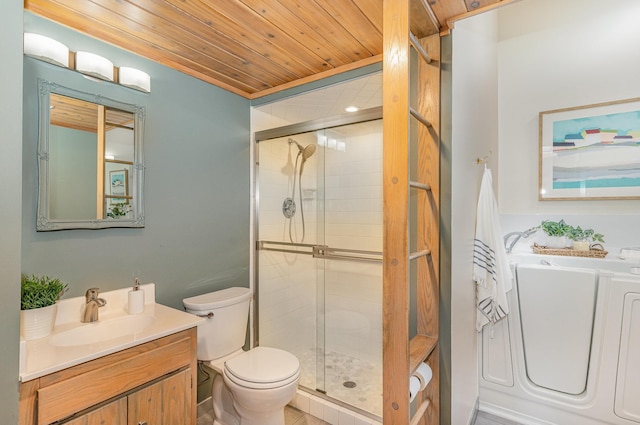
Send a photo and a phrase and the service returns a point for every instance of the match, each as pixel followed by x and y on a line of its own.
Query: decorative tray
pixel 596 251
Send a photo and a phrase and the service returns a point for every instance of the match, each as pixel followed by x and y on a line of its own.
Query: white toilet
pixel 251 387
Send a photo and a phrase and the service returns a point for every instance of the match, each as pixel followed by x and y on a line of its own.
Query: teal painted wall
pixel 197 157
pixel 10 206
pixel 73 173
pixel 196 151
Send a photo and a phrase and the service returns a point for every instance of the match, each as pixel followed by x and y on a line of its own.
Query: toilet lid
pixel 262 365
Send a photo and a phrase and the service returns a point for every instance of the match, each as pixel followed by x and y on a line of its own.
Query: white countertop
pixel 40 357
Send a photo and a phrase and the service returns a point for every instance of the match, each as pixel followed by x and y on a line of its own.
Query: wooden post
pixel 402 111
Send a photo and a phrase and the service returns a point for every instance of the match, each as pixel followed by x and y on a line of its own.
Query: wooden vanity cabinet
pixel 153 382
pixel 163 403
pixel 114 413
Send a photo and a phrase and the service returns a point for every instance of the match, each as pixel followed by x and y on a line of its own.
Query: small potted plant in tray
pixel 38 297
pixel 557 233
pixel 583 238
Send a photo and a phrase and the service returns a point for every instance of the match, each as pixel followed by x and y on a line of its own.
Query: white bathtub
pixel 569 351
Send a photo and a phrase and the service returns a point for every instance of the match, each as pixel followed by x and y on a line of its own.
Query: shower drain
pixel 349 384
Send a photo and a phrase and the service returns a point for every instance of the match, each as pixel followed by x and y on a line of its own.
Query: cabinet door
pixel 627 385
pixel 114 413
pixel 166 402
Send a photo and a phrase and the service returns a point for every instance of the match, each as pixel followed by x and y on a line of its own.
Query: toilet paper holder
pixel 419 380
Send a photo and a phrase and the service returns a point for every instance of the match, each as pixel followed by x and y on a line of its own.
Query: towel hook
pixel 484 159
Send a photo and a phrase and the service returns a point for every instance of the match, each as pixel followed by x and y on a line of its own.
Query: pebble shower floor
pixel 341 369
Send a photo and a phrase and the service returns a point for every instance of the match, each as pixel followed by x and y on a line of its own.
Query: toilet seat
pixel 263 368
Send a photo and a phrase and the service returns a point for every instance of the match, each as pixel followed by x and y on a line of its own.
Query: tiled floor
pixel 296 417
pixel 291 416
pixel 205 413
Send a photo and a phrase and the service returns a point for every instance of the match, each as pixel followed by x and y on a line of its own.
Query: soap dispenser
pixel 136 299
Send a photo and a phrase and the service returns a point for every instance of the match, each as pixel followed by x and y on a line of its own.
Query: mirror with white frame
pixel 90 164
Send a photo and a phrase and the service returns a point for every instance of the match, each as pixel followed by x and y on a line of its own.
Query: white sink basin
pixel 105 330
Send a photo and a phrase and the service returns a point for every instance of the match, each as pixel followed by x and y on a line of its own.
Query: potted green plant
pixel 38 298
pixel 557 232
pixel 119 210
pixel 583 238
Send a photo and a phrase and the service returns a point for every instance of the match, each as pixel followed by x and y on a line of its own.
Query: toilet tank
pixel 224 330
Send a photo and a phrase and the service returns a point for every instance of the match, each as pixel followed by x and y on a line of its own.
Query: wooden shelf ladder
pixel 411 183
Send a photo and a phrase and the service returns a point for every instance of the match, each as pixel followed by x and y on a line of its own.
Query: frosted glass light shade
pixel 46 49
pixel 94 65
pixel 135 79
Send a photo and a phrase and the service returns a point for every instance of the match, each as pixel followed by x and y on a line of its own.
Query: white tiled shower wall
pixel 353 217
pixel 347 185
pixel 287 282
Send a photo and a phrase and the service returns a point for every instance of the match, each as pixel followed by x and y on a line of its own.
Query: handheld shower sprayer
pixel 305 151
pixel 289 206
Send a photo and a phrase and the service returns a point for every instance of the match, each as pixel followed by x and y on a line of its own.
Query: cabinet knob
pixel 142 423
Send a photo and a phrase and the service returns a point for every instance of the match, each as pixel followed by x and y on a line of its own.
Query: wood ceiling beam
pixel 345 68
pixel 444 9
pixel 488 6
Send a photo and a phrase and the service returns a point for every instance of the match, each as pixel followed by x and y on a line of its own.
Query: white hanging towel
pixel 491 270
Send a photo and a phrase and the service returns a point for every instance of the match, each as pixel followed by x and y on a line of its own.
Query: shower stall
pixel 318 259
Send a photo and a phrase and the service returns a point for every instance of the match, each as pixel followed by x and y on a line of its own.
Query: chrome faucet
pixel 518 235
pixel 90 313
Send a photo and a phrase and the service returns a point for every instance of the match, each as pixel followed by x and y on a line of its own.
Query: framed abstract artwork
pixel 590 152
pixel 119 183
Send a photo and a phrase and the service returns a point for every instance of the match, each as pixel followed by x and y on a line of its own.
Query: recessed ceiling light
pixel 351 108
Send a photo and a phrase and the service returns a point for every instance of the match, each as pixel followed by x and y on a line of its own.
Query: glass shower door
pixel 319 280
pixel 286 270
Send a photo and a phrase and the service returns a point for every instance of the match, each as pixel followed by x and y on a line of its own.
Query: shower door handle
pixel 290 247
pixel 321 251
pixel 328 253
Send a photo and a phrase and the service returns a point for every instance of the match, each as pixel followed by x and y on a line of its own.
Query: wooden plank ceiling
pixel 249 47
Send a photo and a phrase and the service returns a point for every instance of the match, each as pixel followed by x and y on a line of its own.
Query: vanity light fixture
pixel 134 78
pixel 52 51
pixel 46 49
pixel 94 65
